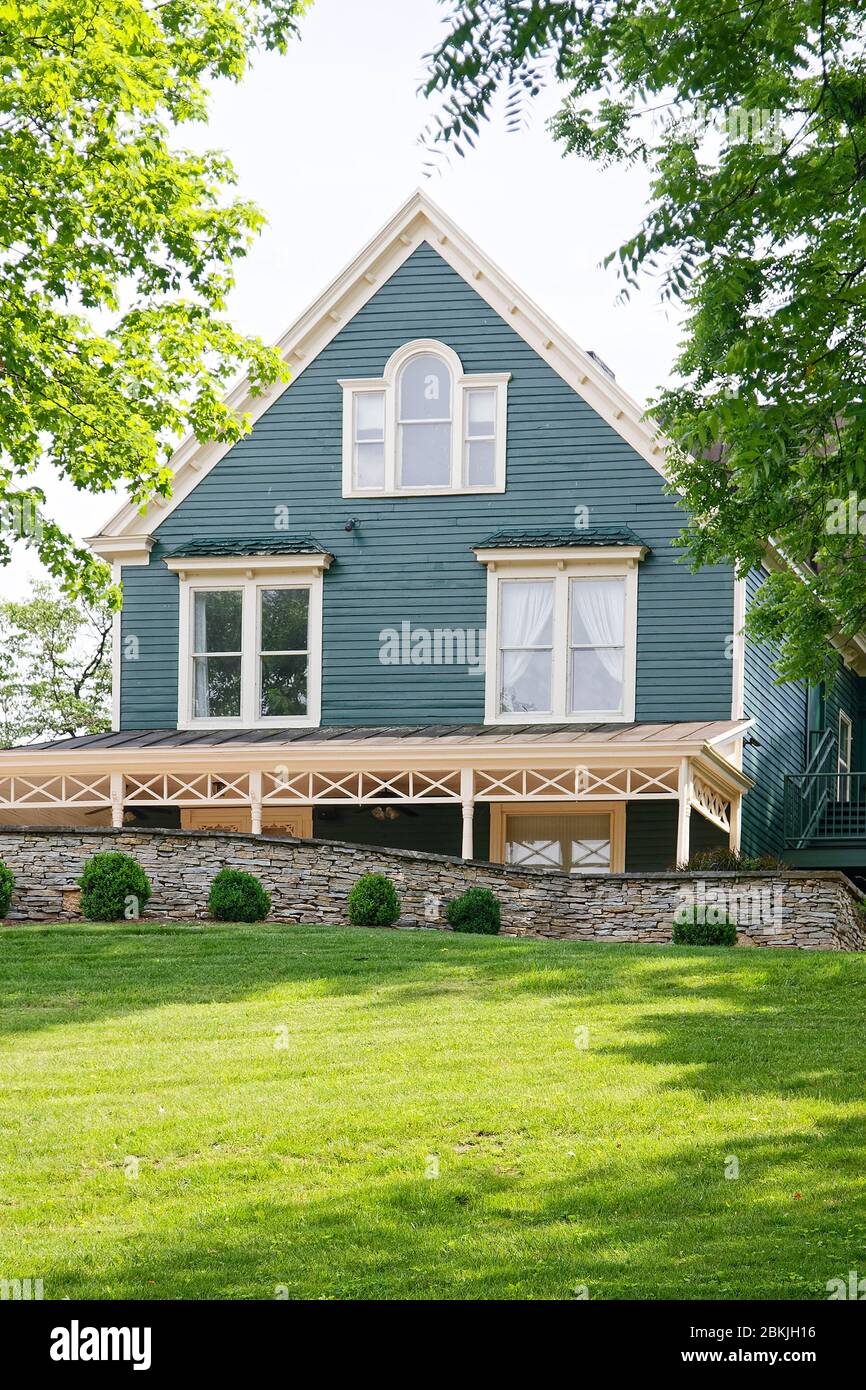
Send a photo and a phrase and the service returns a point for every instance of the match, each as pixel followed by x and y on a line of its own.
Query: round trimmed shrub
pixel 699 929
pixel 113 886
pixel 476 910
pixel 236 896
pixel 373 902
pixel 7 883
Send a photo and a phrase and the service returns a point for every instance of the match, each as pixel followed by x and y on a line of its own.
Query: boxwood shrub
pixel 113 886
pixel 236 896
pixel 7 883
pixel 373 902
pixel 476 910
pixel 698 928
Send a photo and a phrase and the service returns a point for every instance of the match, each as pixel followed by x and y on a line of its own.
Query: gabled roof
pixel 126 538
pixel 417 221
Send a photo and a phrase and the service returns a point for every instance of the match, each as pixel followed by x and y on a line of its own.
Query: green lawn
pixel 288 1092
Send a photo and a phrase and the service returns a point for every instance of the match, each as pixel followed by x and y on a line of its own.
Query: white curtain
pixel 598 608
pixel 202 696
pixel 526 622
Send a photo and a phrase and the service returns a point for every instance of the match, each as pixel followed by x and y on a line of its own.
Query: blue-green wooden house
pixel 432 601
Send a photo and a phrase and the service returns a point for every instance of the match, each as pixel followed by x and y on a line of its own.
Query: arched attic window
pixel 424 426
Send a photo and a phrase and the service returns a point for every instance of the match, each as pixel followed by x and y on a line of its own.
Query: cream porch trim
pixel 253 777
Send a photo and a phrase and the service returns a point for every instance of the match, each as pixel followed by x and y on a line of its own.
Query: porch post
pixel 467 798
pixel 256 802
pixel 117 800
pixel 685 810
pixel 736 816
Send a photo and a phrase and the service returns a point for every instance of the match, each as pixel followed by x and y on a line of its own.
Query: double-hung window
pixel 250 646
pixel 217 653
pixel 424 427
pixel 561 636
pixel 283 652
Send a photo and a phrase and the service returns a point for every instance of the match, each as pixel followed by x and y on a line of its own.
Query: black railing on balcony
pixel 824 806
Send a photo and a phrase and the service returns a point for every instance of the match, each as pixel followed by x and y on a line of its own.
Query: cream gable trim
pixel 122 550
pixel 419 220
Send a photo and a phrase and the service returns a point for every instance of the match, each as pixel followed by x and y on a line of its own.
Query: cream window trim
pixel 500 811
pixel 387 386
pixel 250 582
pixel 560 567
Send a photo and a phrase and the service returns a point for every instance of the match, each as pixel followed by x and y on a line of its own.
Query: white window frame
pixel 561 566
pixel 387 385
pixel 278 573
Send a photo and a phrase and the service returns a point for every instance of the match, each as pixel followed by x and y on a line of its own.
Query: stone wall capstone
pixel 309 881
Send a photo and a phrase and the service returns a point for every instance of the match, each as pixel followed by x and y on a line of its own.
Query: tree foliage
pixel 752 120
pixel 55 667
pixel 117 248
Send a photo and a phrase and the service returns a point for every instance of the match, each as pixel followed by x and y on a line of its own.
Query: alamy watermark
pixel 737 124
pixel 20 517
pixel 748 907
pixel 854 1287
pixel 21 1290
pixel 409 645
pixel 846 516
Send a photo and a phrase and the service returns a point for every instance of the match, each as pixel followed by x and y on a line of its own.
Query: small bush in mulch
pixel 113 886
pixel 476 910
pixel 236 896
pixel 698 927
pixel 373 902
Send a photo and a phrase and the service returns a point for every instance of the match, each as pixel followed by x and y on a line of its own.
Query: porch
pixel 585 799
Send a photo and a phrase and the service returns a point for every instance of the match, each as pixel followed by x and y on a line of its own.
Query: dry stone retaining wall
pixel 310 879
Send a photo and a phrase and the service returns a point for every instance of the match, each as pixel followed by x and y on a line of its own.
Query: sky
pixel 325 140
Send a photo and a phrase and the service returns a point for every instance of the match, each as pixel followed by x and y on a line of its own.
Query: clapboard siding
pixel 651 836
pixel 779 712
pixel 410 559
pixel 148 649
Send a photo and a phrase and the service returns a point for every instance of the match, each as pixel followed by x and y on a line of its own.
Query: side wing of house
pixel 803 754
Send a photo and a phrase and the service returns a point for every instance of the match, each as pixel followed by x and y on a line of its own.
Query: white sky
pixel 325 140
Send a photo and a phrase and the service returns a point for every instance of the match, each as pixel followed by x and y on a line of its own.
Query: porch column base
pixel 116 794
pixel 256 802
pixel 736 817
